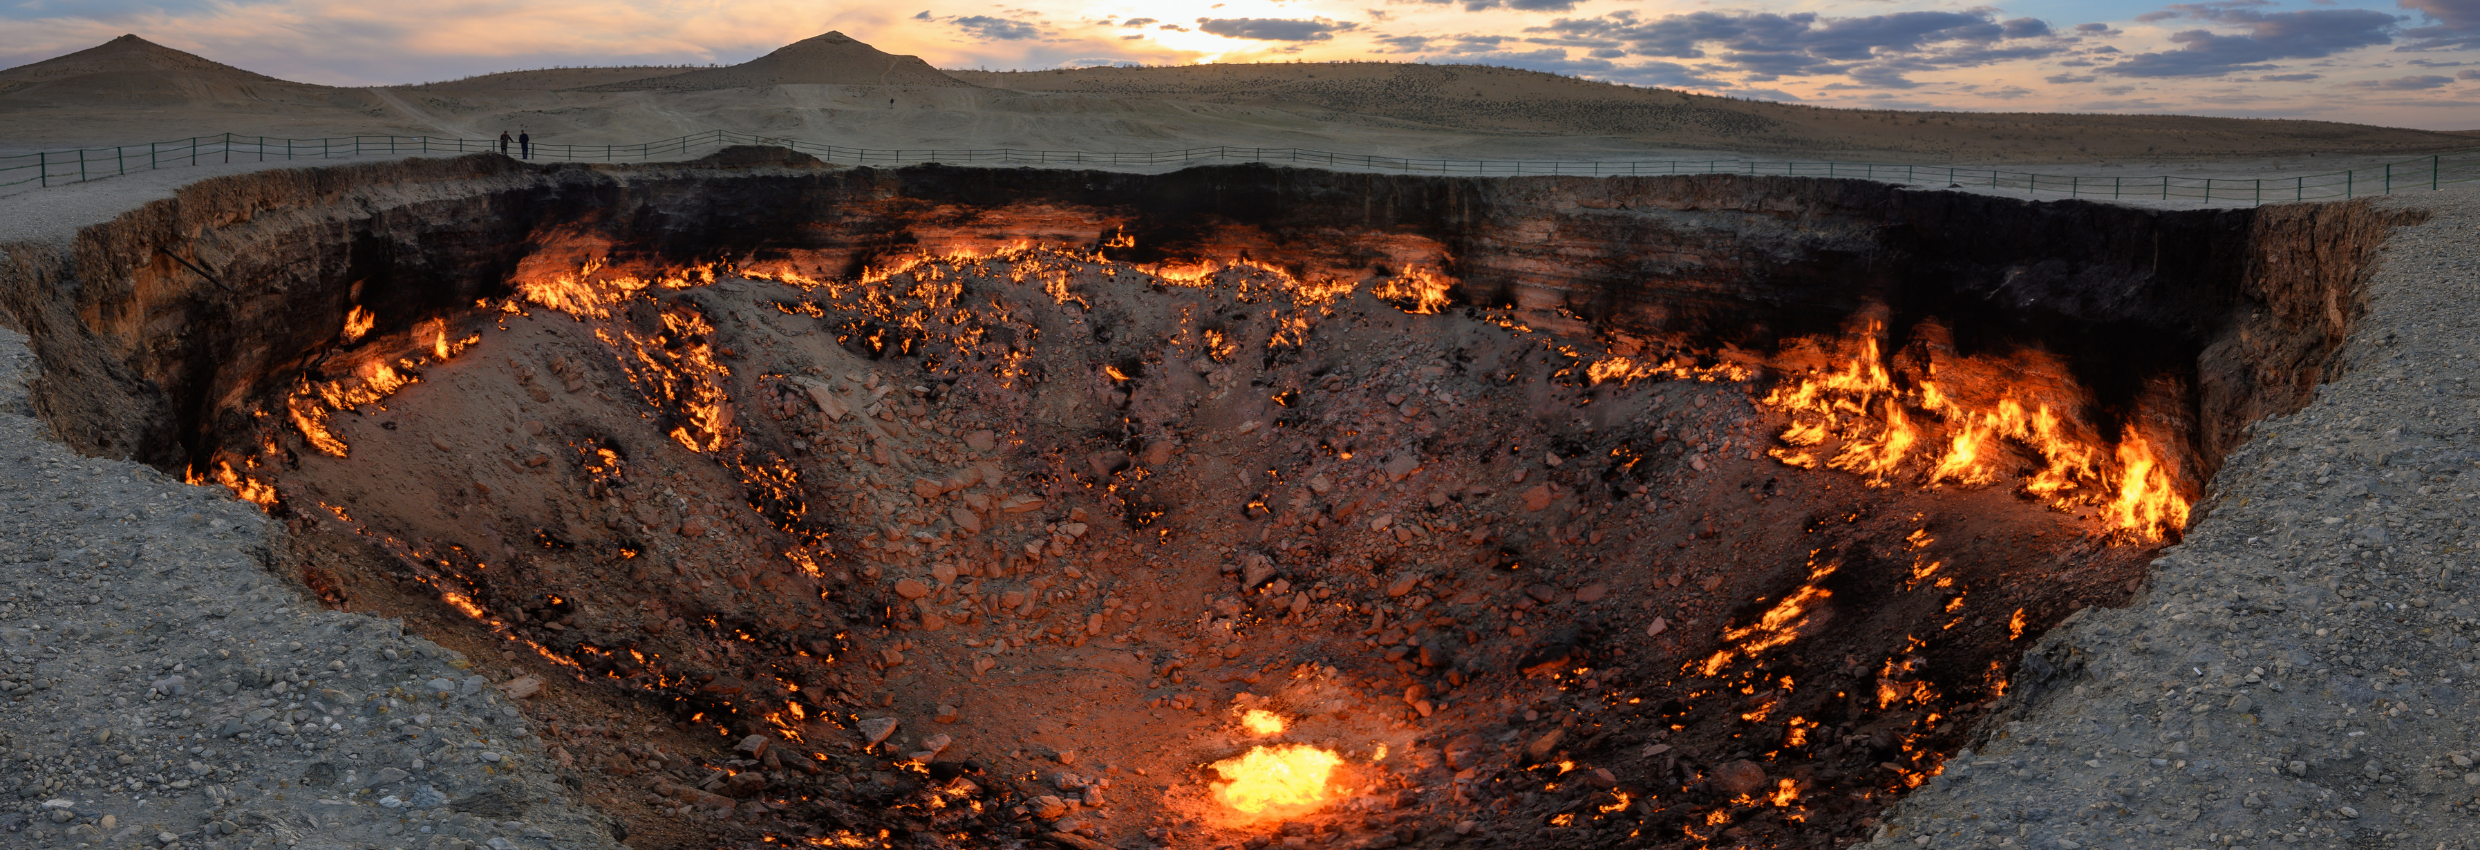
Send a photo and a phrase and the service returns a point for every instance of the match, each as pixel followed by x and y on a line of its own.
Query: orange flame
pixel 1858 400
pixel 1779 625
pixel 1420 290
pixel 357 322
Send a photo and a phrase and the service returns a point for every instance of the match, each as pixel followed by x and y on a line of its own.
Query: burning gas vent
pixel 944 506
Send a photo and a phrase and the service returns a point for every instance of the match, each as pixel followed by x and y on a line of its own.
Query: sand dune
pixel 832 89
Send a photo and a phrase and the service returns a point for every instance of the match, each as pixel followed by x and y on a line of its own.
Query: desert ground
pixel 834 90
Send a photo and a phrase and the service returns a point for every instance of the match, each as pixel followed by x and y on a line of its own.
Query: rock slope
pixel 161 688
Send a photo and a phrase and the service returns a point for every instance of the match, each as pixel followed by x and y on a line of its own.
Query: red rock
pixel 1739 778
pixel 1537 498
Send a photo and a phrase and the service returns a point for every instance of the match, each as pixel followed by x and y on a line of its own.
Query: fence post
pixel 150 157
pixel 2299 188
pixel 2389 178
pixel 2350 181
pixel 2165 187
pixel 2260 190
pixel 2118 186
pixel 43 168
pixel 120 160
pixel 81 165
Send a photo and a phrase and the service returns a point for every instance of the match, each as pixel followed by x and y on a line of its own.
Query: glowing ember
pixel 1261 723
pixel 1277 782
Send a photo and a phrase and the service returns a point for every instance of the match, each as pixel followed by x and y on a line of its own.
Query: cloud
pixel 2069 79
pixel 1876 50
pixel 987 28
pixel 2419 83
pixel 2102 30
pixel 2468 75
pixel 1138 22
pixel 1273 29
pixel 1520 5
pixel 2270 36
pixel 2289 78
pixel 2457 24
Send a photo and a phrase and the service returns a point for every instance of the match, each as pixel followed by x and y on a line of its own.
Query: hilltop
pixel 833 59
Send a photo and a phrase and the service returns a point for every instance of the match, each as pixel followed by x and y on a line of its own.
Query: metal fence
pixel 49 168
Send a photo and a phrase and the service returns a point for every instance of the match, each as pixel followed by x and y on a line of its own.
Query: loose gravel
pixel 2300 670
pixel 159 688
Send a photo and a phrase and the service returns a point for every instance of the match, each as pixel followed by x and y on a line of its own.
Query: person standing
pixel 503 143
pixel 525 145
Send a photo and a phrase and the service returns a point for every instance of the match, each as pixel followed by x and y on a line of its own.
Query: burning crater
pixel 1235 506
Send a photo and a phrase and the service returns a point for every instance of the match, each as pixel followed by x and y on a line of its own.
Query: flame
pixel 1857 399
pixel 357 322
pixel 254 491
pixel 2015 626
pixel 1262 723
pixel 1627 370
pixel 2147 499
pixel 1420 290
pixel 1786 793
pixel 1277 782
pixel 1779 625
pixel 464 603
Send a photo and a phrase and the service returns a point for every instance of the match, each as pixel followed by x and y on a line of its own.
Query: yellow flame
pixel 1275 782
pixel 1261 723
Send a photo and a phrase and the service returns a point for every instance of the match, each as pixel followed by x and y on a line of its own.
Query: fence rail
pixel 50 168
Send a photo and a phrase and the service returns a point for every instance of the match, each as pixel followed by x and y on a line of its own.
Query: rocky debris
pixel 174 691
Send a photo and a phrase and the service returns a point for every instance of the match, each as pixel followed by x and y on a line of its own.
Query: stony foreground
pixel 2300 670
pixel 163 690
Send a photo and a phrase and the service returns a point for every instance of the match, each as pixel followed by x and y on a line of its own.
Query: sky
pixel 2413 63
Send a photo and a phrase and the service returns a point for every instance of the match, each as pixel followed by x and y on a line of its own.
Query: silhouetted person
pixel 503 143
pixel 525 145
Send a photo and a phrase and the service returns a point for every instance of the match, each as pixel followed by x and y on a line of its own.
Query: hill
pixel 132 72
pixel 1472 98
pixel 546 79
pixel 830 59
